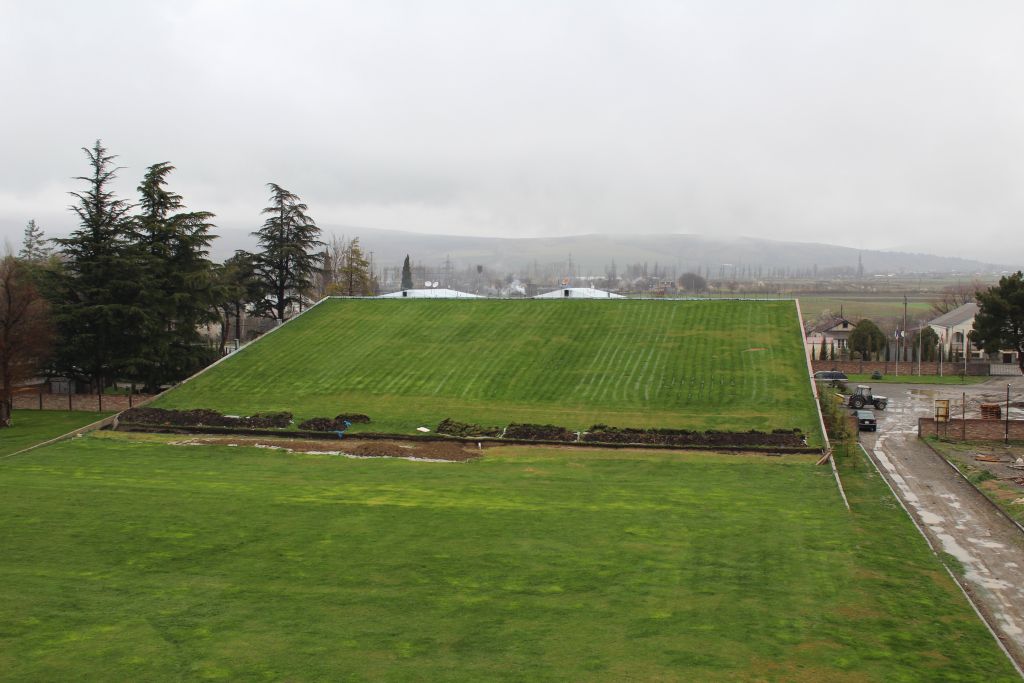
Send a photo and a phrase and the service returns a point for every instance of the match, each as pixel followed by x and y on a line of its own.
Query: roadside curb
pixel 972 484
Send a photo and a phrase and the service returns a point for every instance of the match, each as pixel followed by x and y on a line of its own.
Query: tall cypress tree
pixel 180 290
pixel 406 274
pixel 288 258
pixel 99 308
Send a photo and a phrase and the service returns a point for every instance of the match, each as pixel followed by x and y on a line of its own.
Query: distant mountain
pixel 591 254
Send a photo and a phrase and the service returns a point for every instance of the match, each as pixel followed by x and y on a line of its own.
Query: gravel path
pixel 957 518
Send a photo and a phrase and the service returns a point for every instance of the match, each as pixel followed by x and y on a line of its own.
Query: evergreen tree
pixel 999 324
pixel 822 352
pixel 237 287
pixel 288 260
pixel 406 274
pixel 179 289
pixel 34 245
pixel 866 337
pixel 927 341
pixel 692 282
pixel 832 351
pixel 99 308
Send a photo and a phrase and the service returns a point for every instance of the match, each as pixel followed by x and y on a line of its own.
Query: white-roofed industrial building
pixel 429 294
pixel 578 293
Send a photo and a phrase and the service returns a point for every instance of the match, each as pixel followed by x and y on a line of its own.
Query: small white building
pixel 578 293
pixel 429 294
pixel 953 329
pixel 832 333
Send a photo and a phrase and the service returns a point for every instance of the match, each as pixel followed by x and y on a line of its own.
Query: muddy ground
pixel 439 450
pixel 956 518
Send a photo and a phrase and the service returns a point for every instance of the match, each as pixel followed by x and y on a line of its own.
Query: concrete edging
pixel 817 406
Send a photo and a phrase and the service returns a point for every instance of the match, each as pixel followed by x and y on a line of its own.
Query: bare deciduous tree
pixel 26 331
pixel 955 296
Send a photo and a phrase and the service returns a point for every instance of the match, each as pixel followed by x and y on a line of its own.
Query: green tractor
pixel 863 396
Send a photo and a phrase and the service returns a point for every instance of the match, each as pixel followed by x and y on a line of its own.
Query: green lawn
pixel 128 559
pixel 916 379
pixel 879 307
pixel 730 365
pixel 30 427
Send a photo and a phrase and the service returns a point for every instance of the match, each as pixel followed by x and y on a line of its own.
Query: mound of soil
pixel 787 438
pixel 336 424
pixel 535 432
pixel 450 427
pixel 204 417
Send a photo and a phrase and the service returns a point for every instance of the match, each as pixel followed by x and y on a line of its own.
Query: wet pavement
pixel 955 516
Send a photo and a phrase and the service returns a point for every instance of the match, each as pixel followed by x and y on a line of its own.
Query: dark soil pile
pixel 786 438
pixel 204 417
pixel 465 429
pixel 535 432
pixel 336 424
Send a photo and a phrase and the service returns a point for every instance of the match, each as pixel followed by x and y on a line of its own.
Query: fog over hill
pixel 591 254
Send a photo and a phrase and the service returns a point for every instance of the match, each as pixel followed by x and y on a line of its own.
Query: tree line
pixel 127 294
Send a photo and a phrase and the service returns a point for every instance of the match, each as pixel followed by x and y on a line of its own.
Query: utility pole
pixel 1006 433
pixel 905 325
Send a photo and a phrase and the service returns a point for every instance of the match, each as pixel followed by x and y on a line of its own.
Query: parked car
pixel 833 376
pixel 866 421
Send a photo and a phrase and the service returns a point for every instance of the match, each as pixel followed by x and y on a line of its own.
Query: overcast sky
pixel 869 124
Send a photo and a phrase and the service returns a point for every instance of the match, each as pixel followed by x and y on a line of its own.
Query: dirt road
pixel 957 518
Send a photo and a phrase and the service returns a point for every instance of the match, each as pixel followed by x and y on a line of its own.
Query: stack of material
pixel 991 411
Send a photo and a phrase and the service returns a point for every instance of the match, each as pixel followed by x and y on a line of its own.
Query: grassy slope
pixel 702 364
pixel 127 559
pixel 30 427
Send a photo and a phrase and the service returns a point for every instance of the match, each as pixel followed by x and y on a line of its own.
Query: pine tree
pixel 179 284
pixel 822 352
pixel 99 307
pixel 288 260
pixel 999 324
pixel 832 350
pixel 406 274
pixel 34 245
pixel 237 287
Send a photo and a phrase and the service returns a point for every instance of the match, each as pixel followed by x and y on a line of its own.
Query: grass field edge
pixel 91 427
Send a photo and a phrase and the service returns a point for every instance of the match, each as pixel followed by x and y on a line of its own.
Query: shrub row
pixel 465 429
pixel 205 417
pixel 788 438
pixel 335 424
pixel 534 432
pixel 601 433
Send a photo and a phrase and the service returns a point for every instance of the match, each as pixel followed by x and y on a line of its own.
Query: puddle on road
pixel 986 544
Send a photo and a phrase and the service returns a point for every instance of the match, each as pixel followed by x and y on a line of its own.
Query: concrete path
pixel 957 518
